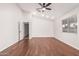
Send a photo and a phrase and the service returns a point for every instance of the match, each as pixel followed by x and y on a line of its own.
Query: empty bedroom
pixel 39 29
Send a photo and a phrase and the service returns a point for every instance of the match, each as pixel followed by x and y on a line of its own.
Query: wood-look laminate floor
pixel 40 47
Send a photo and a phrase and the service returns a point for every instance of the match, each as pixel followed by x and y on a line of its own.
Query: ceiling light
pixel 43 9
pixel 34 13
pixel 42 14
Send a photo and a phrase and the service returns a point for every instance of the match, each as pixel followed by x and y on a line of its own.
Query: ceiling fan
pixel 44 6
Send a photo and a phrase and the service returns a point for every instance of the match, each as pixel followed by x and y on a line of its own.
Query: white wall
pixel 41 27
pixel 69 38
pixel 9 17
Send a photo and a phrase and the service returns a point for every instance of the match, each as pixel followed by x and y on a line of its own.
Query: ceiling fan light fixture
pixel 43 9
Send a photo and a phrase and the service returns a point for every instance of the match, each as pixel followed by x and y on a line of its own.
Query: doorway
pixel 26 30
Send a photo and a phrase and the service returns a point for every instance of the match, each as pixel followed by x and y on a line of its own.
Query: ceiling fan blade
pixel 40 4
pixel 48 4
pixel 48 8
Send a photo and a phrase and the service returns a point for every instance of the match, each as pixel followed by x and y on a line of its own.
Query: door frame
pixel 24 28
